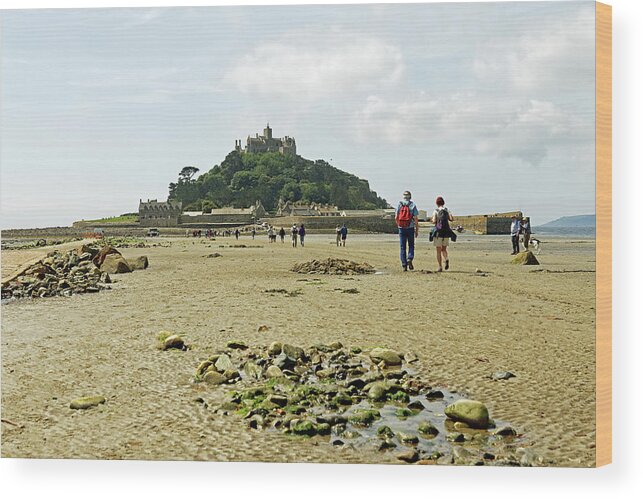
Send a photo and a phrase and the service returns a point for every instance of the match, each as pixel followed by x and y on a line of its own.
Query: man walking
pixel 406 217
pixel 515 235
pixel 344 232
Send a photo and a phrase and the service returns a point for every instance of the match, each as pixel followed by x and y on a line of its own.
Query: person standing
pixel 302 234
pixel 271 234
pixel 406 218
pixel 237 234
pixel 441 218
pixel 282 234
pixel 515 235
pixel 293 235
pixel 253 232
pixel 338 235
pixel 343 232
pixel 526 232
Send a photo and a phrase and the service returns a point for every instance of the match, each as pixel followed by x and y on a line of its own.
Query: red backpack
pixel 404 216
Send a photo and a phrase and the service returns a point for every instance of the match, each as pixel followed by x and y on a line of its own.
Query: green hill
pixel 574 221
pixel 242 178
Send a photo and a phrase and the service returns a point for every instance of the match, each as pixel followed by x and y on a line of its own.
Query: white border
pixel 110 479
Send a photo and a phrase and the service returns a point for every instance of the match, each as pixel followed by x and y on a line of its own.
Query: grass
pixel 120 219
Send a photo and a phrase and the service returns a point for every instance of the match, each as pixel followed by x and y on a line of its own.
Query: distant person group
pixel 519 227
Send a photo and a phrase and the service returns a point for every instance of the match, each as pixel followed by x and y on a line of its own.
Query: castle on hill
pixel 267 143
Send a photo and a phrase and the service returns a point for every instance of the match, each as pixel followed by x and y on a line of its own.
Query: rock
pixel 115 264
pixel 502 375
pixel 322 429
pixel 293 352
pixel 378 392
pixel 336 345
pixel 86 402
pixel 304 427
pixel 102 254
pixel 252 370
pixel 364 417
pixel 389 357
pixel 385 432
pixel 472 412
pixel 505 431
pixel 461 455
pixel 263 328
pixel 274 348
pixel 408 438
pixel 282 361
pixel 237 345
pixel 173 341
pixel 427 428
pixel 434 394
pixel 202 367
pixel 455 437
pixel 214 378
pixel 104 277
pixel 409 456
pixel 325 373
pixel 416 406
pixel 224 363
pixel 526 258
pixel 331 419
pixel 274 372
pixel 214 255
pixel 138 263
pixel 530 458
pixel 403 413
pixel 279 400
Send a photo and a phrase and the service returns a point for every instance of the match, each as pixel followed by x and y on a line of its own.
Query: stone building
pixel 300 209
pixel 267 143
pixel 153 213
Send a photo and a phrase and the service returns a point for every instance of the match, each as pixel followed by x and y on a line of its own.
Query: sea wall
pixel 367 224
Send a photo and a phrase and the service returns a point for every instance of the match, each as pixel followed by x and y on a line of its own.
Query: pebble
pixel 86 402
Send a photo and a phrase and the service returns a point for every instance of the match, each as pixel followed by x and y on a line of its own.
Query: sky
pixel 490 105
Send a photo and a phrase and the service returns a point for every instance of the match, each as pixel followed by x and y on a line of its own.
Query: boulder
pixel 274 372
pixel 214 378
pixel 378 391
pixel 274 348
pixel 102 253
pixel 293 352
pixel 389 357
pixel 224 363
pixel 86 402
pixel 409 456
pixel 173 341
pixel 427 428
pixel 237 345
pixel 472 412
pixel 502 375
pixel 138 263
pixel 115 264
pixel 526 258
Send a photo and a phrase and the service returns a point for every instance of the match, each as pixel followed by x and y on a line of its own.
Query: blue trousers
pixel 407 237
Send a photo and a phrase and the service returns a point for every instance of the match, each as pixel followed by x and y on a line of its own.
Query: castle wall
pixel 238 218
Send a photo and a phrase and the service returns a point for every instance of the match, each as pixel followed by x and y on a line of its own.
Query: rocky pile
pixel 356 399
pixel 333 266
pixel 526 258
pixel 85 269
pixel 132 242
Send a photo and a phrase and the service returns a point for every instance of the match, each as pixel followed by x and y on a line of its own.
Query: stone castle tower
pixel 267 143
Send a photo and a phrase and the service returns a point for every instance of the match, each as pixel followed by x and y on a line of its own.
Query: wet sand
pixel 462 325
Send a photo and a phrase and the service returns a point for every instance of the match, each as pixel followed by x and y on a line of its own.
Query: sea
pixel 577 232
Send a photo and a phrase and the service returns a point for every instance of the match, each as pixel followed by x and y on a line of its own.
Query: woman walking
pixel 441 218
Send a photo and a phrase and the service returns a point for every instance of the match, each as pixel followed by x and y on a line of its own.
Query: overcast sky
pixel 490 105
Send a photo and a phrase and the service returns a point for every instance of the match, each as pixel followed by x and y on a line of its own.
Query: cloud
pixel 500 129
pixel 318 64
pixel 547 58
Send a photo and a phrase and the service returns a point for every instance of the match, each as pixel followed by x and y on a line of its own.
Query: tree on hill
pixel 241 179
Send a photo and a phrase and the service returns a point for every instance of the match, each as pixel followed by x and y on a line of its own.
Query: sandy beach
pixel 535 321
